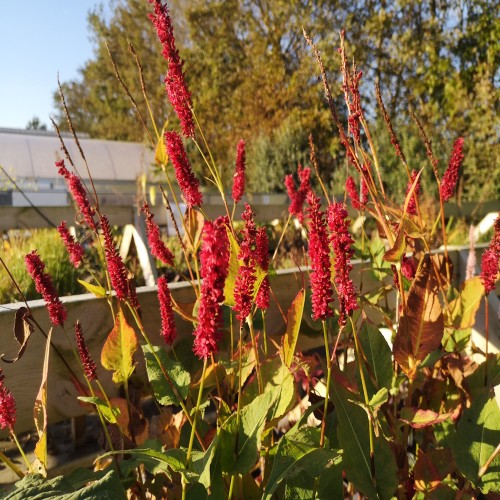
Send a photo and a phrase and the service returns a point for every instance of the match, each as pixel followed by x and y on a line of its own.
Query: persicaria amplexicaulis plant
pixel 398 419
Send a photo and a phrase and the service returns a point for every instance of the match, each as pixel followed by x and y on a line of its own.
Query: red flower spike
pixel 214 259
pixel 450 177
pixel 352 192
pixel 342 242
pixel 175 83
pixel 89 367
pixel 412 205
pixel 116 268
pixel 158 248
pixel 75 250
pixel 298 196
pixel 43 284
pixel 78 193
pixel 490 260
pixel 168 328
pixel 7 406
pixel 319 255
pixel 239 174
pixel 186 179
pixel 262 255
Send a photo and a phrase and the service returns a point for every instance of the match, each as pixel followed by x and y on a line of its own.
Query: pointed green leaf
pixel 118 350
pixel 98 291
pixel 167 392
pixel 108 412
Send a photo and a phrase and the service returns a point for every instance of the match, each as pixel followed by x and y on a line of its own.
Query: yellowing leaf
pixel 118 350
pixel 422 418
pixel 294 317
pixel 461 313
pixel 161 156
pixel 98 291
pixel 421 325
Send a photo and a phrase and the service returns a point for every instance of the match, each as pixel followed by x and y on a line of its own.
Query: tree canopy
pixel 252 76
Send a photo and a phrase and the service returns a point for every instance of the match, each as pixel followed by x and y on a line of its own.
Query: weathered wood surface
pixel 23 377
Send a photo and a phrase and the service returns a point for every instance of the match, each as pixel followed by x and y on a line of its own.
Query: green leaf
pixel 241 442
pixel 35 487
pixel 202 461
pixel 461 312
pixel 108 412
pixel 378 356
pixel 298 456
pixel 161 156
pixel 477 436
pixel 98 291
pixel 118 350
pixel 379 399
pixel 354 439
pixel 294 318
pixel 179 377
pixel 418 418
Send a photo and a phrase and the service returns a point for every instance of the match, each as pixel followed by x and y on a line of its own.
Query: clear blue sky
pixel 38 39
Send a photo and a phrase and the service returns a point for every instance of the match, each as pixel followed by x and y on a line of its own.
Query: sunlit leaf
pixel 161 156
pixel 118 350
pixel 461 312
pixel 294 318
pixel 108 412
pixel 418 418
pixel 421 325
pixel 98 291
pixel 22 331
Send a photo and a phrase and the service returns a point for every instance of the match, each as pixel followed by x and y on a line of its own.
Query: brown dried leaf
pixel 421 325
pixel 22 331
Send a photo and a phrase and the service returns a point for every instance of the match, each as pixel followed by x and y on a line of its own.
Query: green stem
pixel 5 459
pixel 256 352
pixel 328 377
pixel 21 451
pixel 281 237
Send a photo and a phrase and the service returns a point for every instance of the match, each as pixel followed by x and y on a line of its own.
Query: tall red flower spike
pixel 341 242
pixel 490 260
pixel 189 184
pixel 298 196
pixel 78 193
pixel 175 83
pixel 245 281
pixel 412 204
pixel 239 173
pixel 214 259
pixel 158 248
pixel 319 255
pixel 450 177
pixel 89 367
pixel 43 284
pixel 7 406
pixel 168 328
pixel 262 254
pixel 352 192
pixel 75 250
pixel 116 268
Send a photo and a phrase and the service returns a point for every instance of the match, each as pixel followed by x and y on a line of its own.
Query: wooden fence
pixel 23 377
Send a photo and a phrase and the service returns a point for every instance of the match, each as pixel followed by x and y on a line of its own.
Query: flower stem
pixel 21 451
pixel 328 377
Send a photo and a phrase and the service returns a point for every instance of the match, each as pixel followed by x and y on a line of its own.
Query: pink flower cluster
pixel 239 174
pixel 352 192
pixel 158 248
pixel 89 367
pixel 168 329
pixel 262 256
pixel 490 260
pixel 341 242
pixel 175 83
pixel 189 184
pixel 7 406
pixel 43 284
pixel 214 259
pixel 116 268
pixel 75 250
pixel 245 281
pixel 78 193
pixel 450 177
pixel 319 255
pixel 298 196
pixel 412 204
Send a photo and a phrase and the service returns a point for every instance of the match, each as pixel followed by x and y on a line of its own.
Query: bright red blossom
pixel 75 250
pixel 319 255
pixel 7 406
pixel 214 259
pixel 43 284
pixel 239 174
pixel 262 255
pixel 298 196
pixel 450 177
pixel 186 179
pixel 79 194
pixel 158 248
pixel 116 268
pixel 490 260
pixel 175 83
pixel 168 328
pixel 342 242
pixel 352 192
pixel 89 367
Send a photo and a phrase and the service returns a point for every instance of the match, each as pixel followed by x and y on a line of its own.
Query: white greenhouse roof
pixel 32 155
